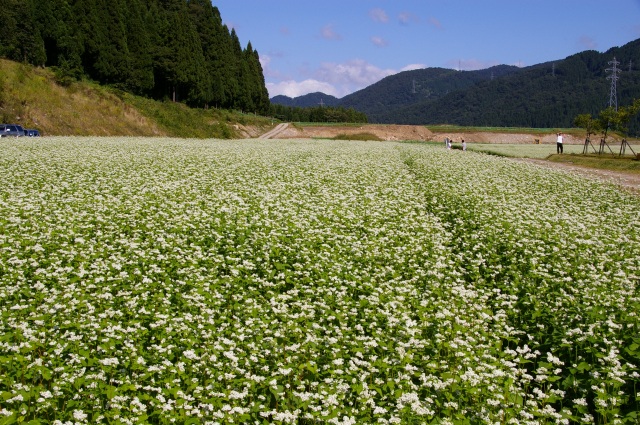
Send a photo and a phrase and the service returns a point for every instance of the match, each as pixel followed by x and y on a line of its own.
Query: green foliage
pixel 546 95
pixel 317 114
pixel 588 123
pixel 181 121
pixel 165 49
pixel 167 281
pixel 625 115
pixel 357 136
pixel 606 162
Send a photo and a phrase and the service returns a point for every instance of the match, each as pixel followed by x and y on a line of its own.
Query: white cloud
pixel 336 79
pixel 379 15
pixel 328 33
pixel 293 88
pixel 587 43
pixel 472 64
pixel 267 70
pixel 379 41
pixel 265 60
pixel 435 23
pixel 406 18
pixel 413 66
pixel 351 76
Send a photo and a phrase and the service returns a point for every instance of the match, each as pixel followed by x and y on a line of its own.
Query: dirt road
pixel 275 132
pixel 628 181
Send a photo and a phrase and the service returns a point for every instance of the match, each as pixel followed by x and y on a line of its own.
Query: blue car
pixel 11 130
pixel 31 132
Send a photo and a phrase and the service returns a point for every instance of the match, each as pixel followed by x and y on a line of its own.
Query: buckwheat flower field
pixel 171 281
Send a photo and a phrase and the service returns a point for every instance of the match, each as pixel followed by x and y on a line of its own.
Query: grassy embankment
pixel 444 128
pixel 33 98
pixel 572 154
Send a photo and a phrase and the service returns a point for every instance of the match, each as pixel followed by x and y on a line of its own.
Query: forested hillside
pixel 414 87
pixel 163 49
pixel 545 95
pixel 541 96
pixel 309 100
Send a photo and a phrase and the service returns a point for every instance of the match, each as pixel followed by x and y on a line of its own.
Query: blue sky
pixel 341 46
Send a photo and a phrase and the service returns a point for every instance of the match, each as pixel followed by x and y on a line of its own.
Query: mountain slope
pixel 416 87
pixel 306 101
pixel 31 96
pixel 545 95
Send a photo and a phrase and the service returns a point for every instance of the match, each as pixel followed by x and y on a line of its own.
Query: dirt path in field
pixel 628 181
pixel 274 132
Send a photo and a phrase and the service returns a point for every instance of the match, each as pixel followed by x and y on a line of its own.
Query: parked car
pixel 11 130
pixel 31 132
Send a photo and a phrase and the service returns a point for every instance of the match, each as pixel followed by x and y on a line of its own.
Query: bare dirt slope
pixel 381 131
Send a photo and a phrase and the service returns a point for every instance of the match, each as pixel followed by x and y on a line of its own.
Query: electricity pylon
pixel 614 77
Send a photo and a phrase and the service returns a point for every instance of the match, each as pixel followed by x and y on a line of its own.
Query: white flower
pixel 79 415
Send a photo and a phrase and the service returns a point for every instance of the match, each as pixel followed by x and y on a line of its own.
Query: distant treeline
pixel 546 95
pixel 317 114
pixel 163 49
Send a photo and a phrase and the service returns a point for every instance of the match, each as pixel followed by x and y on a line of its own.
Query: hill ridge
pixel 544 95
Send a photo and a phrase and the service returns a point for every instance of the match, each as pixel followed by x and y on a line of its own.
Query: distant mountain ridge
pixel 545 95
pixel 306 101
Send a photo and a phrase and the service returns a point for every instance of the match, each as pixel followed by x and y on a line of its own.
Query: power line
pixel 614 77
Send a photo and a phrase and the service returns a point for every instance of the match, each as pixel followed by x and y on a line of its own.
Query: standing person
pixel 446 143
pixel 464 145
pixel 559 143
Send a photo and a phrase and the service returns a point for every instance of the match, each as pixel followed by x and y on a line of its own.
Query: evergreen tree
pixel 178 62
pixel 259 93
pixel 176 49
pixel 140 61
pixel 19 40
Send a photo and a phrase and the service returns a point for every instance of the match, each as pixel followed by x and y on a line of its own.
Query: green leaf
pixel 584 366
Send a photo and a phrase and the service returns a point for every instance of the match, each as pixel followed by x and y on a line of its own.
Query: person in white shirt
pixel 559 143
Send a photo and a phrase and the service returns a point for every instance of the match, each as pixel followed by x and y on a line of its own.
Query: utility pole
pixel 321 103
pixel 614 77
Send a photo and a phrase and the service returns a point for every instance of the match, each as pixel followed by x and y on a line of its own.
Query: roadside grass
pixel 183 121
pixel 444 128
pixel 541 151
pixel 31 97
pixel 329 124
pixel 572 155
pixel 625 164
pixel 357 136
pixel 517 150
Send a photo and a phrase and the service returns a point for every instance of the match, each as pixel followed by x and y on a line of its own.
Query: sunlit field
pixel 311 282
pixel 543 151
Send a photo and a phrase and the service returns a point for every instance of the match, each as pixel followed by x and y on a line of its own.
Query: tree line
pixel 163 49
pixel 317 114
pixel 610 118
pixel 543 96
